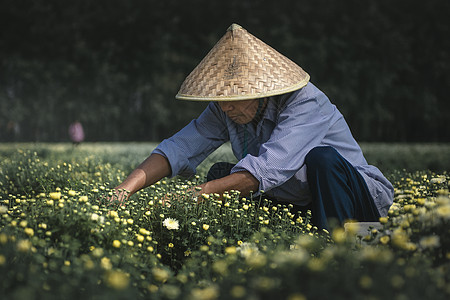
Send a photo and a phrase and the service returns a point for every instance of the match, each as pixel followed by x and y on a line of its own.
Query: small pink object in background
pixel 76 132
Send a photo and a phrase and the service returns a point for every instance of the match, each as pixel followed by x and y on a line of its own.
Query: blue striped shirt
pixel 291 126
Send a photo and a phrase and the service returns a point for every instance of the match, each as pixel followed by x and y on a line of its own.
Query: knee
pixel 322 157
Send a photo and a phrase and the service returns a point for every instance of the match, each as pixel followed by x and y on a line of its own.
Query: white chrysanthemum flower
pixel 3 209
pixel 94 217
pixel 171 224
pixel 248 249
pixel 437 180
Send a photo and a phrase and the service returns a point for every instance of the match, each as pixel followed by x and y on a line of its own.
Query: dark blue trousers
pixel 339 192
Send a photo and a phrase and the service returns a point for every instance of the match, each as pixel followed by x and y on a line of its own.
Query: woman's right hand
pixel 119 196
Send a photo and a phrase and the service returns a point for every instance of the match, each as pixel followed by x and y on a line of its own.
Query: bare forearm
pixel 244 182
pixel 148 172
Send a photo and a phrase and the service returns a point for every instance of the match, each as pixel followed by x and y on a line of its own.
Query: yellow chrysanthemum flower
pixel 55 195
pixel 117 279
pixel 116 244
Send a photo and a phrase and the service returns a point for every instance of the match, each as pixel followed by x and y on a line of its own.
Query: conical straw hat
pixel 240 67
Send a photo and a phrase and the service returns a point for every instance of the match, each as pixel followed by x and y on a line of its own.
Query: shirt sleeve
pixel 186 149
pixel 301 126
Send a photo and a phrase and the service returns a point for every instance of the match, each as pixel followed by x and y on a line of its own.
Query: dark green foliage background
pixel 116 65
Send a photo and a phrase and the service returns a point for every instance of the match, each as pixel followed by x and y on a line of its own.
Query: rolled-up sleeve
pixel 301 126
pixel 186 149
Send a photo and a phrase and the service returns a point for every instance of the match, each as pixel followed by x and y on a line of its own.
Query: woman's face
pixel 240 112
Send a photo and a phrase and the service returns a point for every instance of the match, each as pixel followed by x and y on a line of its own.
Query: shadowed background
pixel 117 65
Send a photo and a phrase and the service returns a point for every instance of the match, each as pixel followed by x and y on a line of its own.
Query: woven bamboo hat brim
pixel 240 67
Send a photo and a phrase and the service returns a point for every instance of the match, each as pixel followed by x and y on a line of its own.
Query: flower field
pixel 60 238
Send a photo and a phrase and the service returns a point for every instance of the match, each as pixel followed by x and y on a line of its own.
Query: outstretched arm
pixel 154 168
pixel 243 181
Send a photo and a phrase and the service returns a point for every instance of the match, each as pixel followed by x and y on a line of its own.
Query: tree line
pixel 116 65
